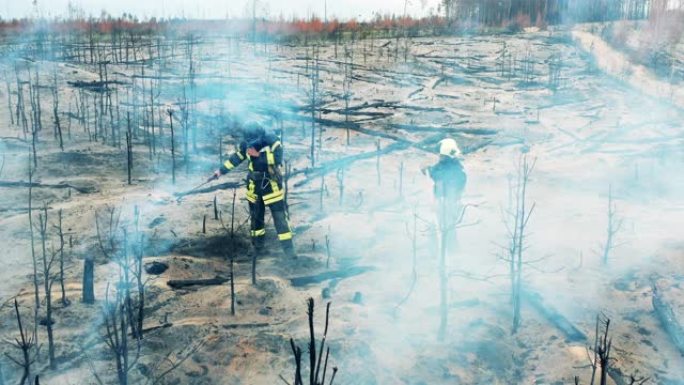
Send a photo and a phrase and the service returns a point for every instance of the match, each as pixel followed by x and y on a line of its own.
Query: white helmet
pixel 449 147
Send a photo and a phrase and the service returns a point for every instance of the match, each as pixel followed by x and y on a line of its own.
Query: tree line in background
pixel 543 12
pixel 453 16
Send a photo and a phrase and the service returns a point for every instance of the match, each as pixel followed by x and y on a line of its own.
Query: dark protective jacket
pixel 449 178
pixel 263 181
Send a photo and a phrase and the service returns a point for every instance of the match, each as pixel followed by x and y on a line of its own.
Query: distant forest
pixel 452 16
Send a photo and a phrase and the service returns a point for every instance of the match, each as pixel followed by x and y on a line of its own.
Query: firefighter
pixel 264 154
pixel 449 180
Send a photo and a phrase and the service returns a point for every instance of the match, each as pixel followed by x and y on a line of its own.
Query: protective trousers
pixel 263 191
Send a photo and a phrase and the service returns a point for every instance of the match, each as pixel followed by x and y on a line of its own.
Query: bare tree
pixel 173 148
pixel 613 226
pixel 55 110
pixel 516 219
pixel 48 279
pixel 60 233
pixel 129 147
pixel 88 292
pixel 117 321
pixel 316 376
pixel 26 344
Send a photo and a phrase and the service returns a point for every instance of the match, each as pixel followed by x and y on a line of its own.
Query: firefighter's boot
pixel 288 248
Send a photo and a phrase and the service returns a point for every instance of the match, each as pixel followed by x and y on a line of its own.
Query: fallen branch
pixel 667 319
pixel 82 190
pixel 97 86
pixel 326 275
pixel 334 165
pixel 181 283
pixel 553 316
pixel 156 327
pixel 446 130
pixel 248 325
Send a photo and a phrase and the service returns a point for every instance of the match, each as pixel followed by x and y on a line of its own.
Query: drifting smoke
pixel 589 134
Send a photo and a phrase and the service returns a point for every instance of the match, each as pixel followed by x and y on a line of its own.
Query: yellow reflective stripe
pixel 239 154
pixel 227 164
pixel 251 166
pixel 274 200
pixel 251 195
pixel 270 158
pixel 274 195
pixel 285 236
pixel 275 145
pixel 258 233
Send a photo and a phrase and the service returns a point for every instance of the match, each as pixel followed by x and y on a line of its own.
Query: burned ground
pixel 372 116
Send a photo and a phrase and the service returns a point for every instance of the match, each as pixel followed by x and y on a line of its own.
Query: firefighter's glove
pixel 215 176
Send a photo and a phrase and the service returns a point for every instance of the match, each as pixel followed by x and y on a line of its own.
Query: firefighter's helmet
pixel 252 131
pixel 449 147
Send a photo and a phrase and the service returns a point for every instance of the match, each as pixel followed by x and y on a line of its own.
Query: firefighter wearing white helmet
pixel 449 147
pixel 449 180
pixel 448 174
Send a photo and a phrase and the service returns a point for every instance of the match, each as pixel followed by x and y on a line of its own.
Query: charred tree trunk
pixel 173 149
pixel 88 280
pixel 60 232
pixel 129 148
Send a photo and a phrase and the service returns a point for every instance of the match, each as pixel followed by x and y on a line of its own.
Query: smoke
pixel 591 134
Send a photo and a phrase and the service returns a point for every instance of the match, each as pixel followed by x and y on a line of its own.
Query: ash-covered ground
pixel 379 109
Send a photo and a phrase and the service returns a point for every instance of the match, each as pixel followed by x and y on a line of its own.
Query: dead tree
pixel 26 344
pixel 137 270
pixel 117 321
pixel 401 179
pixel 173 148
pixel 114 244
pixel 377 160
pixel 340 184
pixel 613 226
pixel 88 291
pixel 516 219
pixel 316 375
pixel 9 99
pixel 33 243
pixel 55 110
pixel 601 360
pixel 231 253
pixel 413 236
pixel 48 280
pixel 347 87
pixel 313 93
pixel 129 147
pixel 60 233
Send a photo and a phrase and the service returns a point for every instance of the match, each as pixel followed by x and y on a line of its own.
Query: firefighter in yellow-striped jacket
pixel 264 154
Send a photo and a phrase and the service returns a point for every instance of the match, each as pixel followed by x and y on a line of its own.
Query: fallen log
pixel 20 209
pixel 181 283
pixel 156 327
pixel 82 190
pixel 553 316
pixel 248 325
pixel 327 275
pixel 95 85
pixel 667 319
pixel 346 161
pixel 447 130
